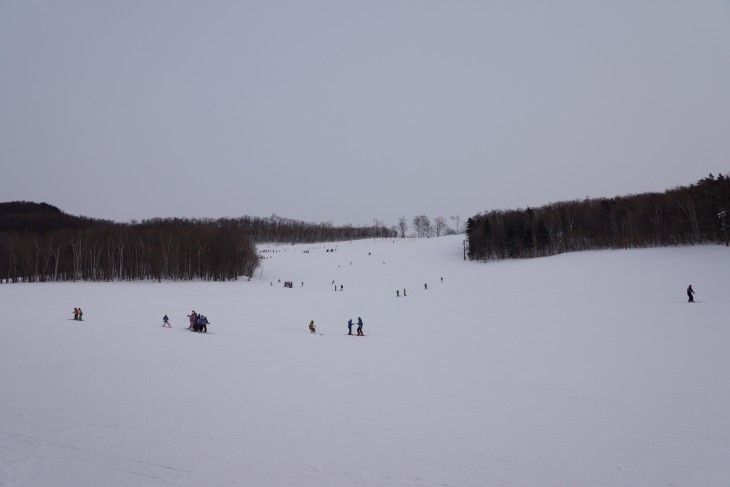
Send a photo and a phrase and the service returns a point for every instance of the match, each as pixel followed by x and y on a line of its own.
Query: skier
pixel 404 292
pixel 425 286
pixel 204 325
pixel 81 315
pixel 690 294
pixel 341 287
pixel 442 279
pixel 76 313
pixel 349 327
pixel 359 327
pixel 311 327
pixel 397 293
pixel 166 321
pixel 192 317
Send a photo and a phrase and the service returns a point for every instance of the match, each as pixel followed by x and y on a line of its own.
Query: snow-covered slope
pixel 581 369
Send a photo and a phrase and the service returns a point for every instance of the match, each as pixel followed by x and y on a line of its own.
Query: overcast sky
pixel 347 111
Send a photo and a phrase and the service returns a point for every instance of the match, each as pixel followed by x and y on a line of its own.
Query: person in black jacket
pixel 690 294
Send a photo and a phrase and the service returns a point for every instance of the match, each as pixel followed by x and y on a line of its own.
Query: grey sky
pixel 348 111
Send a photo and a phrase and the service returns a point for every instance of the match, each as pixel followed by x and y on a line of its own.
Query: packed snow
pixel 581 369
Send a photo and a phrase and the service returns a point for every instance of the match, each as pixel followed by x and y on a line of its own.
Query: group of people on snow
pixel 350 324
pixel 198 322
pixel 78 314
pixel 359 326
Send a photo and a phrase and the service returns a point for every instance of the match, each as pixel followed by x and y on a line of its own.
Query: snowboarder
pixel 359 327
pixel 312 329
pixel 76 313
pixel 690 294
pixel 166 321
pixel 349 327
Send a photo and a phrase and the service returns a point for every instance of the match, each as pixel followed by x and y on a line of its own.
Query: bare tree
pixel 422 226
pixel 457 223
pixel 402 226
pixel 440 225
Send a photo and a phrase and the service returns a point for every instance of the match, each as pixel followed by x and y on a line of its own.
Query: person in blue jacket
pixel 349 327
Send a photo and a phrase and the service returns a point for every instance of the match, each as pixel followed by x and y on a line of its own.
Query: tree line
pixel 687 215
pixel 423 228
pixel 276 229
pixel 39 242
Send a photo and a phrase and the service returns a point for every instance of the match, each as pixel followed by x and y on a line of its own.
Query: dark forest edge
pixel 39 243
pixel 687 215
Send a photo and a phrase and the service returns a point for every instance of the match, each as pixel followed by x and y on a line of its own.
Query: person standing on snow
pixel 81 315
pixel 76 313
pixel 311 327
pixel 166 321
pixel 359 327
pixel 690 294
pixel 349 327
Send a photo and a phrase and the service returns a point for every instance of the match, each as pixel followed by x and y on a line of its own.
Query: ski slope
pixel 581 369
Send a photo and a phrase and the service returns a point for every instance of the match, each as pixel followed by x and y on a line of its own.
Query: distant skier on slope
pixel 690 294
pixel 349 327
pixel 166 322
pixel 312 329
pixel 359 327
